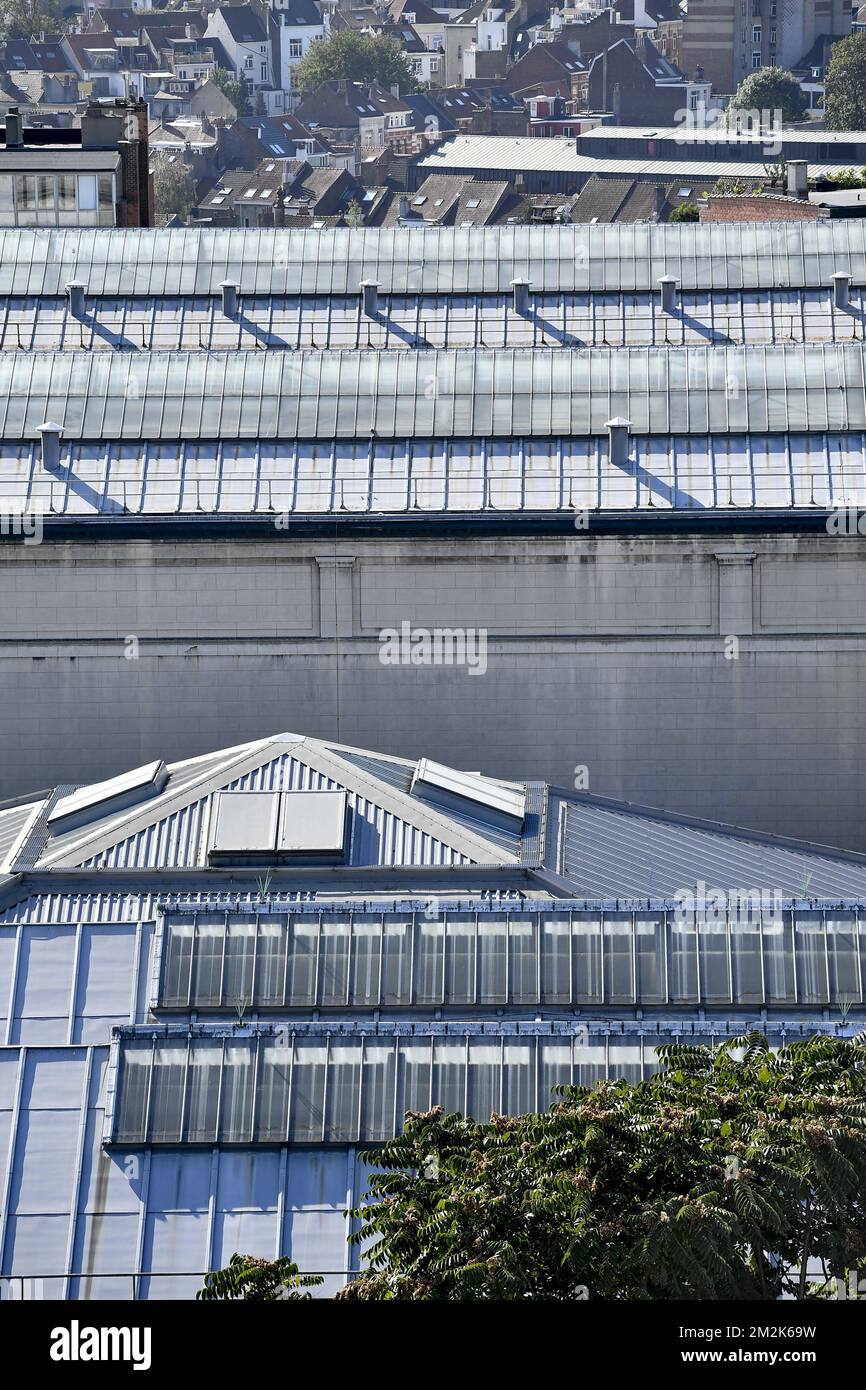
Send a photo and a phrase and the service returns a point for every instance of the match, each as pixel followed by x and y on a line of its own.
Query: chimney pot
pixel 370 297
pixel 618 431
pixel 75 293
pixel 669 285
pixel 49 434
pixel 14 129
pixel 229 292
pixel 520 297
pixel 841 281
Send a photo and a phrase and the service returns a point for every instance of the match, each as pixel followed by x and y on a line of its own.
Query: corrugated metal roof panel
pixel 439 260
pixel 610 853
pixel 415 478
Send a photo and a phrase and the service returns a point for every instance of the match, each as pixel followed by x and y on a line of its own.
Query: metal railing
pixel 130 1285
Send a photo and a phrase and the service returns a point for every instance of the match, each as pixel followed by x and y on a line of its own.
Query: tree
pixel 722 1176
pixel 356 58
pixel 768 96
pixel 21 19
pixel 235 88
pixel 257 1281
pixel 845 85
pixel 173 187
pixel 355 214
pixel 686 212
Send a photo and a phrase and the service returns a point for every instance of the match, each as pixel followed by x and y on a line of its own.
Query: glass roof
pixel 412 394
pixel 429 259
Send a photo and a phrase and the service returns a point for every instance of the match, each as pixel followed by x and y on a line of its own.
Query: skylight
pixel 495 802
pixel 105 798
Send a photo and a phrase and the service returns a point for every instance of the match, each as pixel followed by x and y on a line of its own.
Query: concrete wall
pixel 612 653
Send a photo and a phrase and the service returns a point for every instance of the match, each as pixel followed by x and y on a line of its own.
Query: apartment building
pixel 731 38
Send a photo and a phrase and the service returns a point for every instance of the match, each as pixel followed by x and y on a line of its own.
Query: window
pixel 264 72
pixel 7 202
pixel 248 62
pixel 296 48
pixel 87 192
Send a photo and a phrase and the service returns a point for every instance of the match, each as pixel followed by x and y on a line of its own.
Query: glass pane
pixel 177 962
pixel 203 1091
pixel 518 1082
pixel 308 1091
pixel 344 1081
pixel 273 1090
pixel 449 1076
pixel 460 960
pixel 166 1097
pixel 554 1070
pixel 134 1081
pixel 713 938
pixel 683 961
pixel 811 969
pixel 746 962
pixel 207 968
pixel 377 1112
pixel 586 947
pixel 778 961
pixel 842 958
pixel 397 962
pixel 334 961
pixel 650 959
pixel 492 940
pixel 238 973
pixel 365 963
pixel 430 940
pixel 301 981
pixel 237 1092
pixel 522 961
pixel 618 977
pixel 413 1078
pixel 484 1078
pixel 270 962
pixel 556 960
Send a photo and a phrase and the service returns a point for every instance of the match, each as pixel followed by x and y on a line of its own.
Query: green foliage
pixel 356 58
pixel 173 187
pixel 720 1177
pixel 21 19
pixel 235 88
pixel 355 214
pixel 845 85
pixel 686 212
pixel 768 90
pixel 257 1281
pixel 846 178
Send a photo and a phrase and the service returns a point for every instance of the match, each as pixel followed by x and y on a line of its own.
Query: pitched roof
pixel 243 23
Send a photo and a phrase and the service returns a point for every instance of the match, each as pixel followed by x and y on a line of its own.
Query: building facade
pixel 240 493
pixel 222 981
pixel 728 39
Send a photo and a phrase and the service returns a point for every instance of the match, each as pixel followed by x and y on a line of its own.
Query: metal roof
pixel 554 318
pixel 63 159
pixel 689 134
pixel 612 850
pixel 418 478
pixel 431 260
pixel 440 394
pixel 555 155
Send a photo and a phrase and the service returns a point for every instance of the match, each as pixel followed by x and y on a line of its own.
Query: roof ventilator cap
pixel 75 293
pixel 229 292
pixel 618 431
pixel 798 178
pixel 49 434
pixel 841 282
pixel 370 296
pixel 669 285
pixel 520 297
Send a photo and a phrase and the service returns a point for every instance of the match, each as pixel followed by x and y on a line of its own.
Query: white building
pixel 245 39
pixel 300 23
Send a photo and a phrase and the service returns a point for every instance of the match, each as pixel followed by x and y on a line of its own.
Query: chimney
pixel 520 297
pixel 49 434
pixel 618 433
pixel 668 285
pixel 798 178
pixel 75 293
pixel 370 297
pixel 229 291
pixel 403 207
pixel 841 281
pixel 14 129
